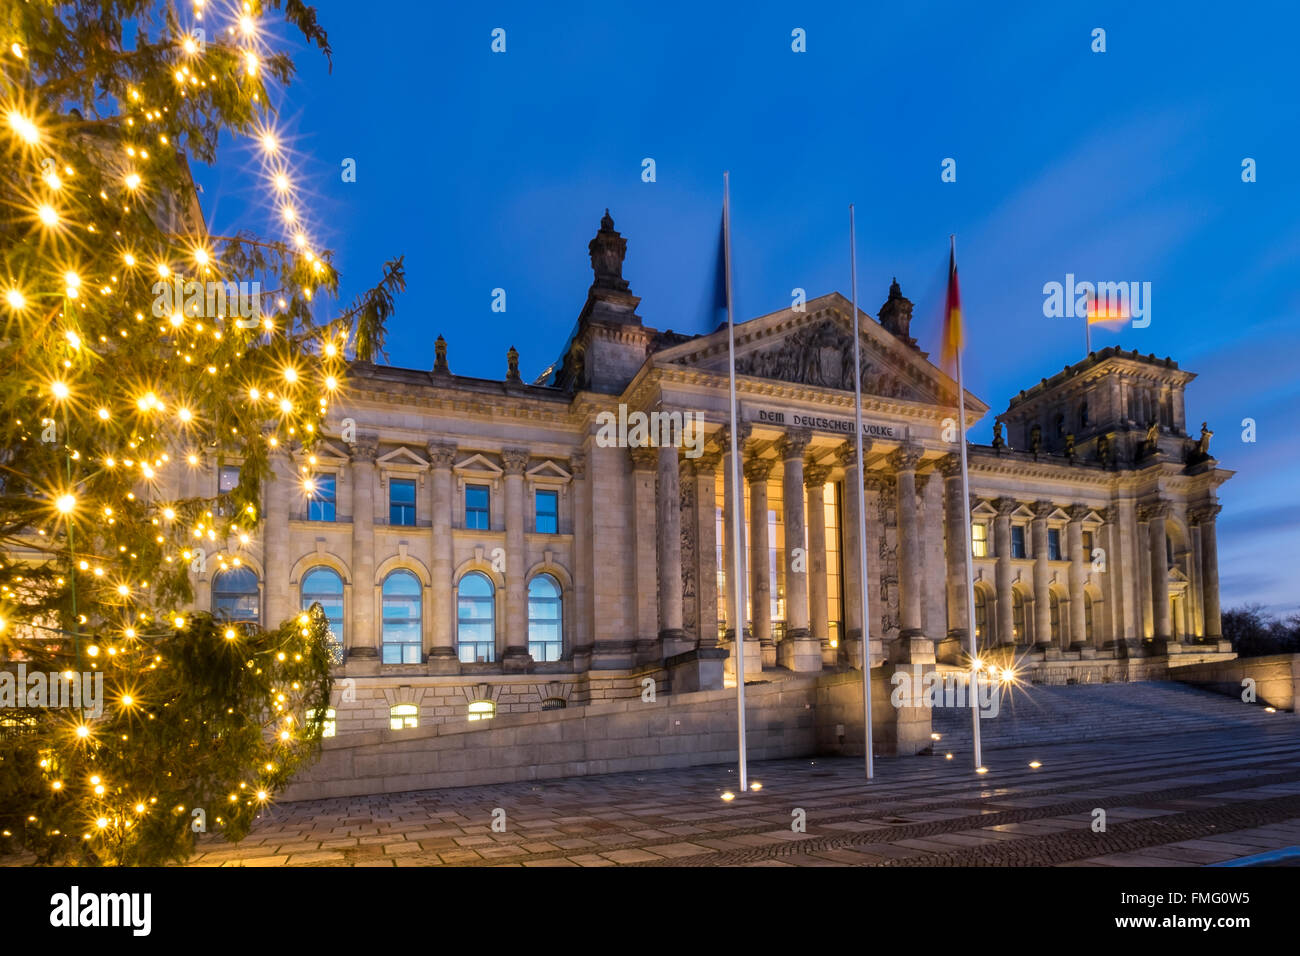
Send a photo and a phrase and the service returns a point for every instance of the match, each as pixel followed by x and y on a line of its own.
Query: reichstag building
pixel 491 546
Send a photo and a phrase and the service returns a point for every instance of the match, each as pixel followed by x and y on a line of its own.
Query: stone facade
pixel 493 550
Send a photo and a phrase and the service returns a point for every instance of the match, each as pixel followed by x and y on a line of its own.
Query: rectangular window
pixel 1017 541
pixel 227 479
pixel 979 540
pixel 401 502
pixel 320 507
pixel 1087 546
pixel 834 575
pixel 476 507
pixel 547 505
pixel 1053 544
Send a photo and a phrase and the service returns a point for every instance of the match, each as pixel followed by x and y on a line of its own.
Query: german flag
pixel 953 334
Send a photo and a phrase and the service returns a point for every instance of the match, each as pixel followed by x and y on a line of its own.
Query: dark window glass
pixel 1053 544
pixel 476 507
pixel 401 501
pixel 227 479
pixel 320 507
pixel 1017 541
pixel 548 512
pixel 476 619
pixel 235 596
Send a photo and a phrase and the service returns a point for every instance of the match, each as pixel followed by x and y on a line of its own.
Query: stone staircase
pixel 1043 713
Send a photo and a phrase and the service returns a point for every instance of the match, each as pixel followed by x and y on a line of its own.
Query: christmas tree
pixel 136 350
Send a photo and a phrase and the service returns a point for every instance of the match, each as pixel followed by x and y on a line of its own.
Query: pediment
pixel 815 348
pixel 478 464
pixel 402 456
pixel 984 510
pixel 325 450
pixel 548 471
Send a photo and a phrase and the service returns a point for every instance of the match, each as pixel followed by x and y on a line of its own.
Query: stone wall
pixel 1276 677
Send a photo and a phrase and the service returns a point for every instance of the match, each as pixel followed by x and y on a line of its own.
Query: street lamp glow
pixel 65 503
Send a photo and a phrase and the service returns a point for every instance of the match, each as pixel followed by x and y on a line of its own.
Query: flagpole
pixel 737 494
pixel 862 506
pixel 966 529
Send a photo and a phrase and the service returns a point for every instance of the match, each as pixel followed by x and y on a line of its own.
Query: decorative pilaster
pixel 1002 570
pixel 668 508
pixel 580 627
pixel 644 464
pixel 814 478
pixel 904 461
pixel 365 633
pixel 278 494
pixel 1042 585
pixel 706 548
pixel 442 655
pixel 515 657
pixel 1074 547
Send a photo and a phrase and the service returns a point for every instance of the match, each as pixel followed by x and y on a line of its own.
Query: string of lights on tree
pixel 115 406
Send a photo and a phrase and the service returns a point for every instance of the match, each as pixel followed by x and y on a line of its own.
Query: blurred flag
pixel 953 333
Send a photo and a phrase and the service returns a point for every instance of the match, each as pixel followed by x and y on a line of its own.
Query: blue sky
pixel 492 170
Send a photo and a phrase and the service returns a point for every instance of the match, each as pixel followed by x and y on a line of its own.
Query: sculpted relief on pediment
pixel 822 356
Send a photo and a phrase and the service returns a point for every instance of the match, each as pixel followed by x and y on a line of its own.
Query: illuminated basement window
pixel 482 710
pixel 402 716
pixel 329 725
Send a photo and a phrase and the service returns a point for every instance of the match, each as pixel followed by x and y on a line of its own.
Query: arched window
pixel 482 710
pixel 323 586
pixel 476 619
pixel 1054 605
pixel 401 716
pixel 545 636
pixel 1087 617
pixel 981 615
pixel 1018 617
pixel 235 596
pixel 402 618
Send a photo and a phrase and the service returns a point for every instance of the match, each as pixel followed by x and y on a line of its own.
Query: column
pixel 442 655
pixel 814 478
pixel 644 464
pixel 1157 512
pixel 365 633
pixel 1195 589
pixel 733 510
pixel 1210 572
pixel 1002 570
pixel 798 651
pixel 515 658
pixel 706 548
pixel 277 501
pixel 668 508
pixel 1042 596
pixel 580 623
pixel 904 461
pixel 851 565
pixel 1074 546
pixel 757 472
pixel 957 540
pixel 1142 548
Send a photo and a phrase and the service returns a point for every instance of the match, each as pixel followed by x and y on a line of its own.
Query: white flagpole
pixel 737 494
pixel 970 574
pixel 862 507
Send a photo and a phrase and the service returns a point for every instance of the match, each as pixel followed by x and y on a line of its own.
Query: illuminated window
pixel 329 725
pixel 401 502
pixel 834 573
pixel 979 539
pixel 545 636
pixel 1087 546
pixel 320 506
pixel 1087 617
pixel 482 710
pixel 981 614
pixel 235 596
pixel 402 620
pixel 1054 606
pixel 323 586
pixel 476 619
pixel 402 716
pixel 1018 616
